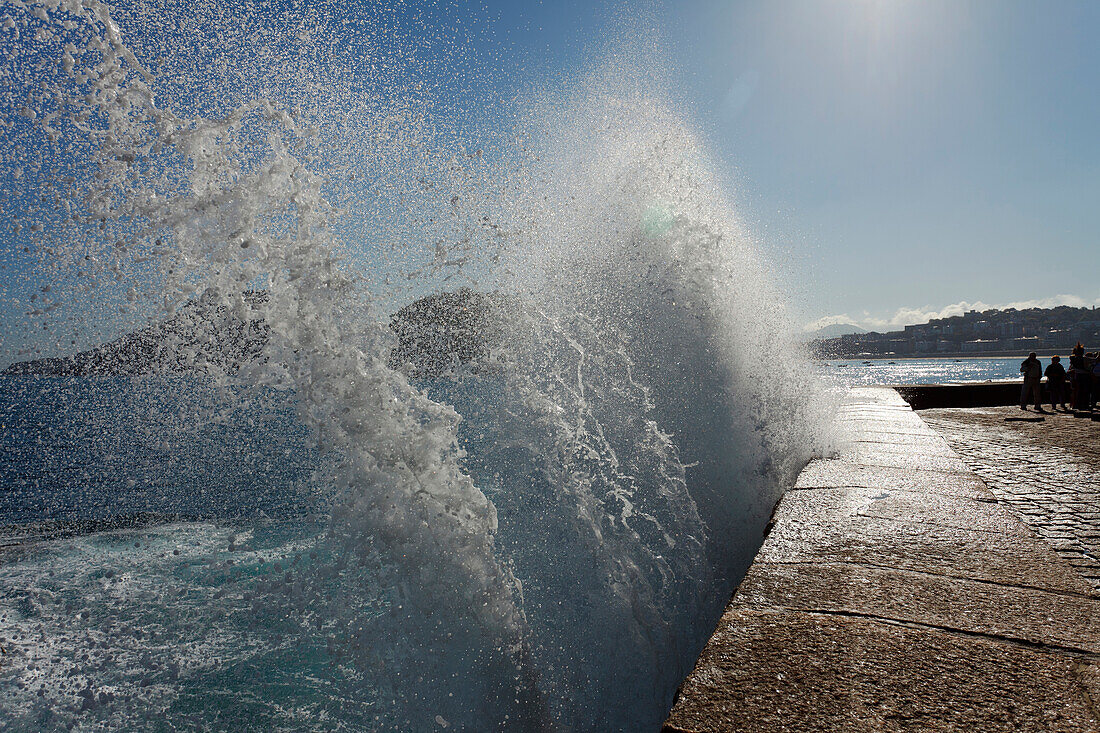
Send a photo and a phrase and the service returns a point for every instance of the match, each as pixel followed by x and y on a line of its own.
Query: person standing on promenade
pixel 1032 369
pixel 1084 380
pixel 1096 380
pixel 1076 366
pixel 1085 384
pixel 1056 382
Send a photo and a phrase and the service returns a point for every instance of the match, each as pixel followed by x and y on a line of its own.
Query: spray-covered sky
pixel 893 159
pixel 897 158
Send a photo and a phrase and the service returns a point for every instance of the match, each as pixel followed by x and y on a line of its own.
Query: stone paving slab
pixel 894 592
pixel 1028 615
pixel 779 670
pixel 873 455
pixel 900 442
pixel 875 396
pixel 947 537
pixel 835 473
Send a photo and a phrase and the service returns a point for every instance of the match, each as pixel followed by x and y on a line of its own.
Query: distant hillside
pixel 200 338
pixel 440 332
pixel 1005 332
pixel 435 335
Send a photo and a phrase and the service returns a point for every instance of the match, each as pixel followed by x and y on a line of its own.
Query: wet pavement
pixel 895 592
pixel 1045 467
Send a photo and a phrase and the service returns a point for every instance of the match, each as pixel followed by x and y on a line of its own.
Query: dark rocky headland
pixel 434 336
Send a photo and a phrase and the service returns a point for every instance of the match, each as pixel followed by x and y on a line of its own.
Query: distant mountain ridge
pixel 199 337
pixel 434 336
pixel 833 330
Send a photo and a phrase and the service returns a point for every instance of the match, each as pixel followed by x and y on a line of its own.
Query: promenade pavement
pixel 894 592
pixel 1045 467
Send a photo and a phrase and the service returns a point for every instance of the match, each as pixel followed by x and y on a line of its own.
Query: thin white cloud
pixel 911 316
pixel 840 319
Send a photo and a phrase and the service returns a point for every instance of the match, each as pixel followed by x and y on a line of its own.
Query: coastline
pixel 1044 353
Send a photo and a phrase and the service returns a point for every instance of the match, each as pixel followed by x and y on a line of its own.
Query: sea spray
pixel 540 539
pixel 400 497
pixel 625 223
pixel 645 351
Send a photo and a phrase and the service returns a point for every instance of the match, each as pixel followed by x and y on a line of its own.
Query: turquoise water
pixel 163 566
pixel 854 372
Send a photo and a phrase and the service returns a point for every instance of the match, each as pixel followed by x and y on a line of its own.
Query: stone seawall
pixel 894 593
pixel 979 394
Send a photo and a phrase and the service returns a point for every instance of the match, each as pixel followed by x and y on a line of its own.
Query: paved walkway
pixel 895 593
pixel 1046 467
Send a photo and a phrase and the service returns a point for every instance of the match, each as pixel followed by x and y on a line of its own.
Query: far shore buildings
pixel 991 332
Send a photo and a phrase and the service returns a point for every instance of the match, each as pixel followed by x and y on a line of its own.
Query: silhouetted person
pixel 1082 374
pixel 1094 378
pixel 1076 364
pixel 1032 369
pixel 1056 382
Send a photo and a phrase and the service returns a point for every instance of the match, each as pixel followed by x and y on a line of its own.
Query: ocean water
pixel 322 540
pixel 856 372
pixel 103 449
pixel 167 560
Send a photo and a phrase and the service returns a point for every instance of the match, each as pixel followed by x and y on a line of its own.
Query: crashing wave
pixel 534 510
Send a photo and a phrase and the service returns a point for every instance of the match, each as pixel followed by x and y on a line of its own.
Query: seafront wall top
pixel 894 593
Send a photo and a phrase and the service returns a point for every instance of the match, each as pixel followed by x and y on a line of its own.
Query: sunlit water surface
pixel 854 372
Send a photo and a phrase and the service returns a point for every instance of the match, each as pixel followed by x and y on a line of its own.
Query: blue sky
pixel 894 159
pixel 902 159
